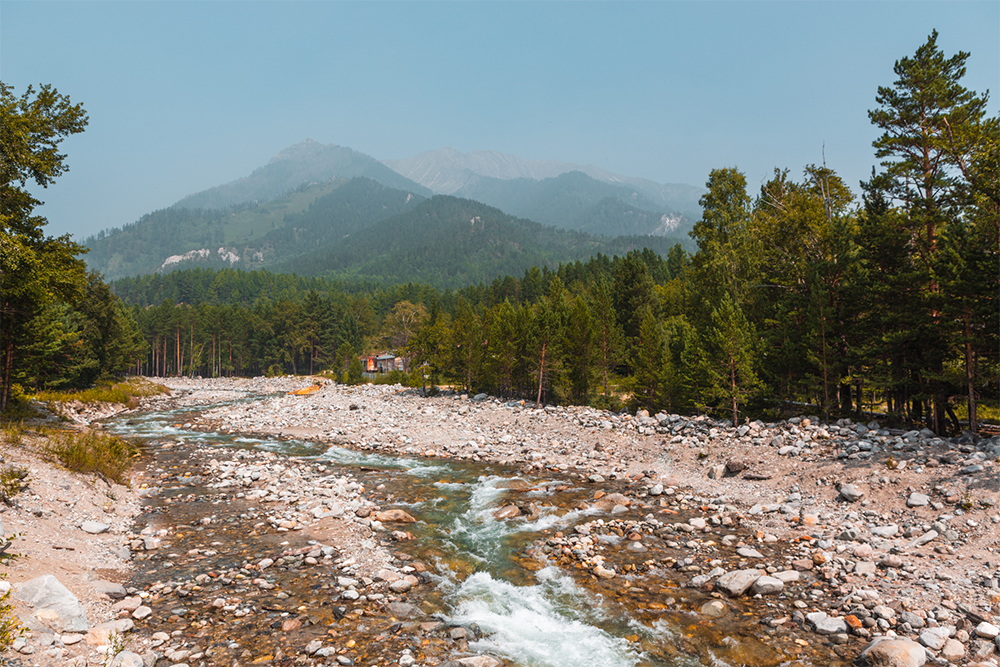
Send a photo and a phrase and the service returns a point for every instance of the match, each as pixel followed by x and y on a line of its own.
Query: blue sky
pixel 183 96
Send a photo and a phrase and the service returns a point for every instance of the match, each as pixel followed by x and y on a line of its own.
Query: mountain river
pixel 489 578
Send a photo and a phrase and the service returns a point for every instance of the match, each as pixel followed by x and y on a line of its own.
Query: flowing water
pixel 530 613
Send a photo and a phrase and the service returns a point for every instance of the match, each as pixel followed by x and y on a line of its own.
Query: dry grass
pixel 125 393
pixel 94 452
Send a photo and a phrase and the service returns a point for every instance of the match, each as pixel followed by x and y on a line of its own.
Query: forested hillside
pixel 246 235
pixel 449 242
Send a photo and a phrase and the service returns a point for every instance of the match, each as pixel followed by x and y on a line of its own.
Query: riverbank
pixel 822 531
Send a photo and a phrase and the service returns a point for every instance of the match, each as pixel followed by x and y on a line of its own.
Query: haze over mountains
pixel 447 171
pixel 329 210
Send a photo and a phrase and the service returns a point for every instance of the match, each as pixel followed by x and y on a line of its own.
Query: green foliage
pixel 102 454
pixel 116 644
pixel 35 270
pixel 13 480
pixel 10 626
pixel 354 374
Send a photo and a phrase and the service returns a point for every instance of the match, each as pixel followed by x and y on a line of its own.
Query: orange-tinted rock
pixel 395 516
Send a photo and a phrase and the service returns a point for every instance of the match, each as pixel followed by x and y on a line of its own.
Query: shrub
pixel 94 452
pixel 10 627
pixel 13 480
pixel 392 377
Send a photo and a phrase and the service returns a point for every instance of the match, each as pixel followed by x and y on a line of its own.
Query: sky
pixel 184 96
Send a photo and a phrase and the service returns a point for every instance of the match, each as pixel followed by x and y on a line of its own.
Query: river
pixel 494 578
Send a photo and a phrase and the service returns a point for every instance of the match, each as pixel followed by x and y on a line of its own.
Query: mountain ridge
pixel 447 170
pixel 305 162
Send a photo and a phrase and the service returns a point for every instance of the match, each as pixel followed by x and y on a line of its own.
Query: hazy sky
pixel 183 96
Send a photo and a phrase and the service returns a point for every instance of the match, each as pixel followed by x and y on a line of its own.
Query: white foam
pixel 540 625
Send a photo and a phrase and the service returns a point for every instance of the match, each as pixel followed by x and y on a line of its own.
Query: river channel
pixel 491 579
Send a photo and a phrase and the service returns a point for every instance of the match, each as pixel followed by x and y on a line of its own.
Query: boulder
pixel 394 516
pixel 953 650
pixel 94 527
pixel 851 493
pixel 54 605
pixel 737 582
pixel 767 586
pixel 506 512
pixel 111 589
pixel 987 630
pixel 935 638
pixel 404 610
pixel 893 652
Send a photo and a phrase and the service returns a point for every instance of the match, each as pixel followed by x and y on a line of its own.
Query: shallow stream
pixel 485 572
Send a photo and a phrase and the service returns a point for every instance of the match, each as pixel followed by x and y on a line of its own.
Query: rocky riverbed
pixel 815 538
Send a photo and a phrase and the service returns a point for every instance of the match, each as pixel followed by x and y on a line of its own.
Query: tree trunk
pixel 732 380
pixel 191 365
pixel 846 404
pixel 8 363
pixel 541 375
pixel 973 425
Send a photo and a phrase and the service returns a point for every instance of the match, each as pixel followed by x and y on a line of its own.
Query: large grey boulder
pixel 893 652
pixel 53 604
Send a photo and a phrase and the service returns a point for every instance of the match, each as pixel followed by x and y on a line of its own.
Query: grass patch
pixel 102 454
pixel 986 413
pixel 13 480
pixel 125 393
pixel 10 627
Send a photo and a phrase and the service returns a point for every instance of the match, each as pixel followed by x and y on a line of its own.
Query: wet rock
pixel 473 661
pixel 401 585
pixel 713 609
pixel 394 516
pixel 893 652
pixel 609 502
pixel 404 610
pixel 506 512
pixel 604 573
pixel 53 604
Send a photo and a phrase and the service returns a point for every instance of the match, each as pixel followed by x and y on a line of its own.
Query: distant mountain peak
pixel 300 164
pixel 305 148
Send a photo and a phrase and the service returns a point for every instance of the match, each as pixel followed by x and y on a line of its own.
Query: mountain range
pixel 329 210
pixel 447 171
